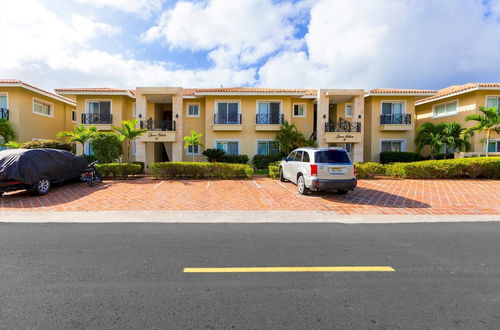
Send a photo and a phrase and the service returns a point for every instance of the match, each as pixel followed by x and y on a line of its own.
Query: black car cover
pixel 31 165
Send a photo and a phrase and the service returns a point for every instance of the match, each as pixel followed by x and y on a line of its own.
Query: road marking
pixel 257 185
pixel 208 184
pixel 290 269
pixel 159 184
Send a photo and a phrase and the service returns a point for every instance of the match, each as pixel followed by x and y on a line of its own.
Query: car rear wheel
pixel 342 192
pixel 282 176
pixel 41 187
pixel 301 184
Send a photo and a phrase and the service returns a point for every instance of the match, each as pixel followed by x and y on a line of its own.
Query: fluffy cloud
pixel 142 7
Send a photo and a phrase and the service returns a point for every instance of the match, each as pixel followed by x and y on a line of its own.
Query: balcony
pixel 4 113
pixel 269 122
pixel 158 131
pixel 392 122
pixel 227 122
pixel 97 119
pixel 342 126
pixel 342 131
pixel 157 125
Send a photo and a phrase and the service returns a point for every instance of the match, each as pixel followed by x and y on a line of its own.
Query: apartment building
pixel 35 113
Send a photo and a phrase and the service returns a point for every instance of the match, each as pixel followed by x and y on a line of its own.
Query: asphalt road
pixel 130 276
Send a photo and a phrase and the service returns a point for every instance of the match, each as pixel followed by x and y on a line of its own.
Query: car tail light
pixel 354 170
pixel 314 169
pixel 12 183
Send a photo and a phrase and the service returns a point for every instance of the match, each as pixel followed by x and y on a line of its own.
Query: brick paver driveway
pixel 370 197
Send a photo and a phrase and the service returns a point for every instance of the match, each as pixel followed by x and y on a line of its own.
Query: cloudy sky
pixel 302 43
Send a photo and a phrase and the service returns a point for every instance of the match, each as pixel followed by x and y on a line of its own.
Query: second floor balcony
pixel 227 119
pixel 269 119
pixel 157 125
pixel 97 119
pixel 342 126
pixel 4 113
pixel 395 119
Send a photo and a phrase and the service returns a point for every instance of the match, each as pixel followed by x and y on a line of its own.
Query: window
pixel 299 110
pixel 134 147
pixel 267 148
pixel 193 150
pixel 88 149
pixel 494 146
pixel 393 108
pixel 4 104
pixel 291 156
pixel 298 156
pixel 227 113
pixel 445 109
pixel 42 108
pixel 193 110
pixel 393 145
pixel 346 146
pixel 98 112
pixel 305 157
pixel 268 112
pixel 229 147
pixel 348 110
pixel 491 102
pixel 332 156
pixel 73 115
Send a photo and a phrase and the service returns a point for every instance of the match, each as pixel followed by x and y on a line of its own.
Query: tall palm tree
pixel 193 140
pixel 6 130
pixel 487 120
pixel 459 137
pixel 128 132
pixel 81 134
pixel 433 135
pixel 289 138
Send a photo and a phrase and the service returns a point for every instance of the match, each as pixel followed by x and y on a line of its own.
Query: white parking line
pixel 257 185
pixel 159 184
pixel 208 184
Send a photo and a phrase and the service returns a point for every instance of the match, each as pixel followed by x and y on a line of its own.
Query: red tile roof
pixel 256 90
pixel 401 91
pixel 19 83
pixel 458 89
pixel 96 90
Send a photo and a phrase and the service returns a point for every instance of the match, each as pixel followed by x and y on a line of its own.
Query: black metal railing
pixel 4 113
pixel 157 125
pixel 395 119
pixel 233 119
pixel 342 126
pixel 269 119
pixel 97 118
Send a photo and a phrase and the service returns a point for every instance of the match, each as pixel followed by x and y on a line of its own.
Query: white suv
pixel 319 169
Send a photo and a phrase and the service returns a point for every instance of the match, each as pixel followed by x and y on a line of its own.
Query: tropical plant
pixel 81 134
pixel 6 130
pixel 128 132
pixel 433 135
pixel 487 120
pixel 52 144
pixel 214 155
pixel 459 137
pixel 13 145
pixel 193 140
pixel 289 138
pixel 107 147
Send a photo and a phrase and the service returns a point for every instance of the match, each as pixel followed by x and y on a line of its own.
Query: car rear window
pixel 332 156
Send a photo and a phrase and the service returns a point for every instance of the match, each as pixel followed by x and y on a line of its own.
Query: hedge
pixel 53 144
pixel 118 170
pixel 199 170
pixel 234 159
pixel 485 167
pixel 387 157
pixel 369 170
pixel 262 162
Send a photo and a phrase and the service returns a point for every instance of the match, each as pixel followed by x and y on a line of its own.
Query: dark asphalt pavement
pixel 129 276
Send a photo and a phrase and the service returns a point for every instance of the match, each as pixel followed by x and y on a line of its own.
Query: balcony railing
pixel 342 126
pixel 4 113
pixel 97 118
pixel 231 119
pixel 157 125
pixel 403 119
pixel 269 119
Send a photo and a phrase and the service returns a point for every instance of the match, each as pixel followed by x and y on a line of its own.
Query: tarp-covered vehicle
pixel 37 169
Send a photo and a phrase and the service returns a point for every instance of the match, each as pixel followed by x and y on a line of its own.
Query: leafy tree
pixel 128 132
pixel 289 138
pixel 433 135
pixel 6 130
pixel 193 140
pixel 487 120
pixel 107 147
pixel 81 134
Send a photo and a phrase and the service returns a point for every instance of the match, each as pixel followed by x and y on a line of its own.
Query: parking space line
pixel 159 184
pixel 208 184
pixel 290 269
pixel 257 185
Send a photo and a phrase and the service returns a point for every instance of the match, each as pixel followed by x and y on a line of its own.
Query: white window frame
pixel 305 110
pixel 50 104
pixel 446 114
pixel 492 96
pixel 229 140
pixel 262 140
pixel 87 101
pixel 485 147
pixel 193 153
pixel 345 110
pixel 403 143
pixel 392 102
pixel 187 109
pixel 7 98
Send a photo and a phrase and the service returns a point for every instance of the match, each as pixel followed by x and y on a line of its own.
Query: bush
pixel 118 170
pixel 274 171
pixel 53 144
pixel 214 155
pixel 262 161
pixel 235 159
pixel 175 170
pixel 488 167
pixel 369 170
pixel 387 157
pixel 140 164
pixel 107 147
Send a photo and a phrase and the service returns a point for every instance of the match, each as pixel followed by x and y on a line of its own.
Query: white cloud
pixel 142 7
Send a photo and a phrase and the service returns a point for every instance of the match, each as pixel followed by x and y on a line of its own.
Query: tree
pixel 81 134
pixel 459 137
pixel 289 138
pixel 128 132
pixel 193 140
pixel 107 147
pixel 6 130
pixel 487 120
pixel 432 135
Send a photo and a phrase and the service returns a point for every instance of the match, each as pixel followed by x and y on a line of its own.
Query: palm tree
pixel 6 130
pixel 459 136
pixel 81 134
pixel 193 140
pixel 488 120
pixel 289 138
pixel 432 135
pixel 128 132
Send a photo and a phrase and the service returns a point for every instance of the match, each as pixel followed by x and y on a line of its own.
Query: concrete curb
pixel 229 217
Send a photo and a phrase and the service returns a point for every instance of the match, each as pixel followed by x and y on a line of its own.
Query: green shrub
pixel 175 170
pixel 487 167
pixel 262 161
pixel 141 164
pixel 387 157
pixel 214 155
pixel 118 170
pixel 369 170
pixel 274 171
pixel 107 147
pixel 235 159
pixel 53 144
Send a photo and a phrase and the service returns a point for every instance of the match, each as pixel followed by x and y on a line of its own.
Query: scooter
pixel 91 175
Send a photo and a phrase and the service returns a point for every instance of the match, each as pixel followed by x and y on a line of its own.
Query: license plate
pixel 336 170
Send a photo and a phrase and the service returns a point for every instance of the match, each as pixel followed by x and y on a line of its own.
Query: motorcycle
pixel 91 175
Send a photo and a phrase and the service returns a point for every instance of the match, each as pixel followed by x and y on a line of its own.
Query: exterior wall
pixel 196 124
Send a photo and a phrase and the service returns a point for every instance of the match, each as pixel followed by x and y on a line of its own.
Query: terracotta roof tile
pixel 400 91
pixel 36 89
pixel 457 89
pixel 193 91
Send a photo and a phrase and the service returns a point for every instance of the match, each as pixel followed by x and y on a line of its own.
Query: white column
pixel 358 114
pixel 322 110
pixel 177 114
pixel 141 111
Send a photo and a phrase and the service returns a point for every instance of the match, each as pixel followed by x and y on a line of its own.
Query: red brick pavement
pixel 370 197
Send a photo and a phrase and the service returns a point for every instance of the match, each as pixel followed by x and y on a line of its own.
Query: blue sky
pixel 303 43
